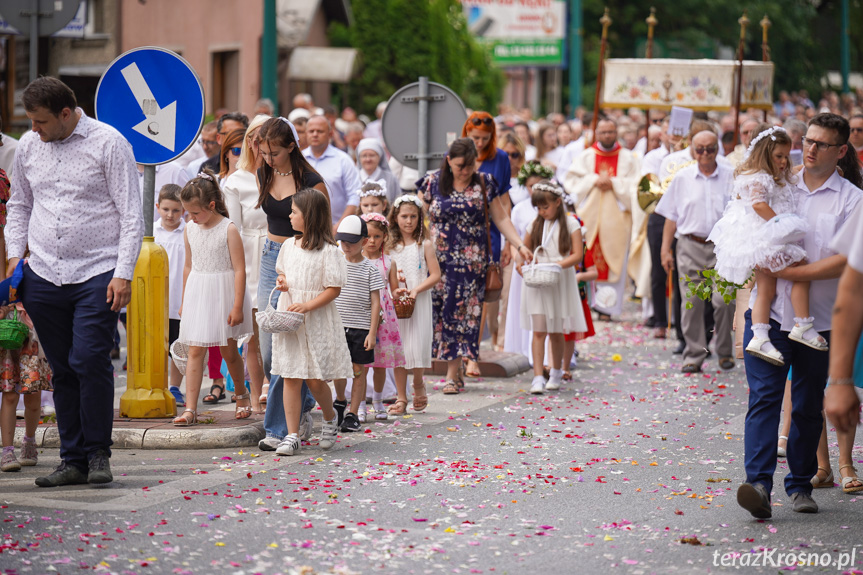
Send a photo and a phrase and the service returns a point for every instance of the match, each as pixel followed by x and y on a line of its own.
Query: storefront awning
pixel 318 64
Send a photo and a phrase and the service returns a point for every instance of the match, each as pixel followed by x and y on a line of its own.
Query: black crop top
pixel 278 211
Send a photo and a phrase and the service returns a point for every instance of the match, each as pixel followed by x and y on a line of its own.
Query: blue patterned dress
pixel 460 238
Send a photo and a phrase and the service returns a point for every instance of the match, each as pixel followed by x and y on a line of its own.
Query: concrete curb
pixel 201 436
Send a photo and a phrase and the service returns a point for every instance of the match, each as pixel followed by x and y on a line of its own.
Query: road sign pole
pixel 149 198
pixel 422 127
pixel 34 39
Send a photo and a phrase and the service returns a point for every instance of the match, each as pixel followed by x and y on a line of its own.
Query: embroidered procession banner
pixel 697 84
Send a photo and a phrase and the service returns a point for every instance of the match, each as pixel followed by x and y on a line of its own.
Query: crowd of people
pixel 526 230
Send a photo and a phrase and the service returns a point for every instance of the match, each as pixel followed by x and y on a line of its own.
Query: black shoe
pixel 753 497
pixel 709 354
pixel 340 406
pixel 651 322
pixel 690 368
pixel 803 503
pixel 681 345
pixel 726 363
pixel 115 353
pixel 351 422
pixel 64 474
pixel 100 468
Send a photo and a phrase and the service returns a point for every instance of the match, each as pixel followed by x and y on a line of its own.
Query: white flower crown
pixel 761 136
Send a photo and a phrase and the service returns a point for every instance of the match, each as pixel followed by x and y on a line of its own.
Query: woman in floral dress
pixel 459 228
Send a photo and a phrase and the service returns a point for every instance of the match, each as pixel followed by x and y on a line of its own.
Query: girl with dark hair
pixel 283 172
pixel 216 310
pixel 311 273
pixel 462 204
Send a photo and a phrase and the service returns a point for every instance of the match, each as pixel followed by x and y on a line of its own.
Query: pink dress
pixel 388 349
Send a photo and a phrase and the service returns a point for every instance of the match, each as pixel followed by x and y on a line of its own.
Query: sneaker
pixel 754 498
pixel 803 503
pixel 63 475
pixel 9 462
pixel 553 382
pixel 329 433
pixel 178 395
pixel 340 406
pixel 29 453
pixel 100 468
pixel 306 425
pixel 289 445
pixel 269 443
pixel 351 422
pixel 537 386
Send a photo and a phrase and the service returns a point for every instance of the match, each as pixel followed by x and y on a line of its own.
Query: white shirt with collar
pixel 81 193
pixel 175 246
pixel 826 209
pixel 680 157
pixel 340 175
pixel 696 201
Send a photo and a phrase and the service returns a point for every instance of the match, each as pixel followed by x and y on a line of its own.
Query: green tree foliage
pixel 693 29
pixel 400 40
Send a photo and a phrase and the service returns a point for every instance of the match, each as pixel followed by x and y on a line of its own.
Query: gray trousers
pixel 692 258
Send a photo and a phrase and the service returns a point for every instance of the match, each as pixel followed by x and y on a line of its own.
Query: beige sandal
pixel 400 407
pixel 846 481
pixel 265 391
pixel 421 400
pixel 243 412
pixel 819 483
pixel 183 421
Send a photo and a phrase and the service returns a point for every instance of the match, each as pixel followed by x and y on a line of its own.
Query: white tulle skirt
pixel 207 302
pixel 743 241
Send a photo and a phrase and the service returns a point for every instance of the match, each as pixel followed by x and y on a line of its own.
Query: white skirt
pixel 416 333
pixel 207 302
pixel 553 309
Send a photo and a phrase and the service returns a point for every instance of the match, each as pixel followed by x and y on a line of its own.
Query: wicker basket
pixel 13 332
pixel 538 275
pixel 404 306
pixel 180 355
pixel 271 320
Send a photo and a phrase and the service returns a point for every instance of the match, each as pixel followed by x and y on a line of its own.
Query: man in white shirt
pixel 826 200
pixel 76 205
pixel 693 203
pixel 337 169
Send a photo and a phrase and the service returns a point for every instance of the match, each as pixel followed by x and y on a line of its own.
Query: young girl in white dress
pixel 414 253
pixel 553 310
pixel 312 272
pixel 216 309
pixel 760 231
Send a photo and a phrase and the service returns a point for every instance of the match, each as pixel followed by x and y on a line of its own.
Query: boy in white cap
pixel 359 304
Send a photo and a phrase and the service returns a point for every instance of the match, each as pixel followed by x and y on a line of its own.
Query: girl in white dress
pixel 760 231
pixel 419 271
pixel 312 272
pixel 553 310
pixel 216 310
pixel 517 340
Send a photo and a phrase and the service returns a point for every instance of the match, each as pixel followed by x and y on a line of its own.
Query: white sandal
pixel 818 342
pixel 182 421
pixel 773 356
pixel 782 451
pixel 850 479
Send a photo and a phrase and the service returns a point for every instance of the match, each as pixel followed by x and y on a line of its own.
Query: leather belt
pixel 697 239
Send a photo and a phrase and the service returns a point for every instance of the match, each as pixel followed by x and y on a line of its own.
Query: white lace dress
pixel 416 331
pixel 318 350
pixel 743 240
pixel 209 293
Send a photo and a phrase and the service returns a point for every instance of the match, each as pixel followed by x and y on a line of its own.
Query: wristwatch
pixel 840 381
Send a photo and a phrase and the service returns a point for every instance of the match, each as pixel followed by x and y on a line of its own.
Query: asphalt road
pixel 632 468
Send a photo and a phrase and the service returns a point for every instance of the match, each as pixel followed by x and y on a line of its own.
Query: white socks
pixel 555 375
pixel 761 331
pixel 378 401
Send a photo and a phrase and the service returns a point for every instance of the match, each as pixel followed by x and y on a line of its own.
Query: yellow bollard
pixel 147 394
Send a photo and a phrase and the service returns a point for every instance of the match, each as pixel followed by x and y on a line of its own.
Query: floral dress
pixel 24 370
pixel 388 348
pixel 460 237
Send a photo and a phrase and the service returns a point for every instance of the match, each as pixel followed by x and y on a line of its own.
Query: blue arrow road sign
pixel 154 98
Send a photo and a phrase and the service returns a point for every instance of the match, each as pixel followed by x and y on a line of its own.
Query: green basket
pixel 13 332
